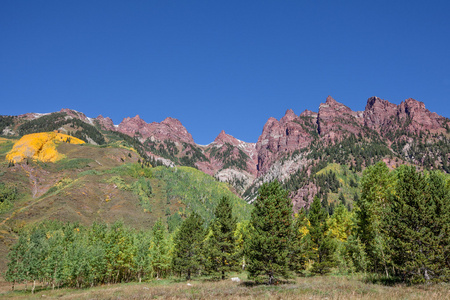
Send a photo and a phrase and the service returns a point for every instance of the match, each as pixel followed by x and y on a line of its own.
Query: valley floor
pixel 329 287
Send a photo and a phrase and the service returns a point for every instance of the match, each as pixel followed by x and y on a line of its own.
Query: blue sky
pixel 220 64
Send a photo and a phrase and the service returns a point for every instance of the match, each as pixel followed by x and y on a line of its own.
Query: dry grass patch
pixel 300 288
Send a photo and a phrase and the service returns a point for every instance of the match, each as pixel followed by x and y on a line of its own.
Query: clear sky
pixel 220 64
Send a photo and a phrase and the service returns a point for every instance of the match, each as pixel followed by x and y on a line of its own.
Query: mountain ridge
pixel 401 130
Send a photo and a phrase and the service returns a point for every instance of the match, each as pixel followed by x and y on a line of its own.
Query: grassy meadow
pixel 325 287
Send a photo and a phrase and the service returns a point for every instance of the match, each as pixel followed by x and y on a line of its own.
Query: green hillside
pixel 103 184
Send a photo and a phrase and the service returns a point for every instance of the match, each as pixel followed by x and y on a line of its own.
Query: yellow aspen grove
pixel 40 146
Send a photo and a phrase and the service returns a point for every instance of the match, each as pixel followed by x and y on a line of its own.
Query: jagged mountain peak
pixel 330 100
pixel 105 123
pixel 223 138
pixel 372 100
pixel 289 116
pixel 136 119
pixel 282 139
pixel 172 122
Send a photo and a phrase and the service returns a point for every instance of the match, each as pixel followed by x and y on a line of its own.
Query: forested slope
pixel 102 184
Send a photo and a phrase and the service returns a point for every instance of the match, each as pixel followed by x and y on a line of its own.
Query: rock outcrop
pixel 335 120
pixel 230 160
pixel 410 115
pixel 248 148
pixel 419 118
pixel 283 146
pixel 105 123
pixel 169 129
pixel 379 114
pixel 278 138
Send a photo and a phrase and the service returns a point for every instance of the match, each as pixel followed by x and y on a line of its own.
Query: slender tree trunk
pixel 34 286
pixel 384 263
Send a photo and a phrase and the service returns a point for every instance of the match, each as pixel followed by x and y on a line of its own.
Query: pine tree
pixel 342 199
pixel 438 216
pixel 222 256
pixel 323 246
pixel 419 230
pixel 269 244
pixel 187 256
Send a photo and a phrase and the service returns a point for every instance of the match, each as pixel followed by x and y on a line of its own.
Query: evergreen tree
pixel 342 199
pixel 187 256
pixel 222 256
pixel 323 246
pixel 269 243
pixel 419 226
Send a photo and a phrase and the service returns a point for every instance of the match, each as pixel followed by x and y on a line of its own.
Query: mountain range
pixel 402 133
pixel 66 166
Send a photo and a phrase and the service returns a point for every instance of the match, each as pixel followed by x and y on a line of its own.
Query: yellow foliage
pixel 330 167
pixel 340 224
pixel 40 146
pixel 304 229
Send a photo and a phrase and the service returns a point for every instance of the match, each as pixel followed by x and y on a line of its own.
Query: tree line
pixel 399 228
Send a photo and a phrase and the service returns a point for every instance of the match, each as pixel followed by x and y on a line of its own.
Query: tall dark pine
pixel 222 256
pixel 419 226
pixel 187 256
pixel 268 247
pixel 323 246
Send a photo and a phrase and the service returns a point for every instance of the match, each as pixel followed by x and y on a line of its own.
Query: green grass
pixel 6 146
pixel 76 163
